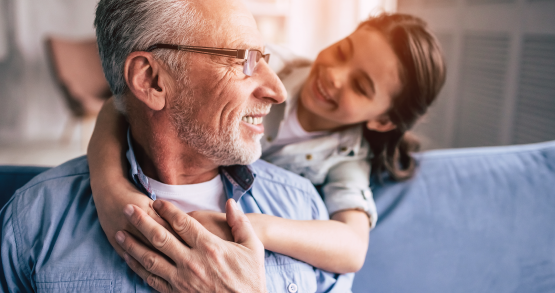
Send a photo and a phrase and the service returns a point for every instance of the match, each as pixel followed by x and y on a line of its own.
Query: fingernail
pixel 157 204
pixel 120 237
pixel 128 210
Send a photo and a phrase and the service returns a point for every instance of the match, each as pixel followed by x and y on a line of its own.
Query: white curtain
pixel 3 32
pixel 316 24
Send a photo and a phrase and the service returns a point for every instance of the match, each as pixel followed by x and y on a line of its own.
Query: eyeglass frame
pixel 243 54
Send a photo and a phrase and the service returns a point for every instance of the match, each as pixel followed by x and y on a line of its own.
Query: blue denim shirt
pixel 52 240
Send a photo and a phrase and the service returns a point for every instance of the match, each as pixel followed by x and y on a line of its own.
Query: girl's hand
pixel 110 211
pixel 214 222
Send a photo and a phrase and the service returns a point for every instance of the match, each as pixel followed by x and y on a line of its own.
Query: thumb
pixel 241 227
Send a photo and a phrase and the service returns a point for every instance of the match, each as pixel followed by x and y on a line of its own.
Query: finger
pixel 153 214
pixel 189 229
pixel 241 227
pixel 149 260
pixel 160 238
pixel 152 280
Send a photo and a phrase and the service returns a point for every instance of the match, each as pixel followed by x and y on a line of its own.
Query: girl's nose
pixel 337 76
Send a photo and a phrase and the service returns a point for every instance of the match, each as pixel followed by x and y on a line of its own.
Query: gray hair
pixel 125 26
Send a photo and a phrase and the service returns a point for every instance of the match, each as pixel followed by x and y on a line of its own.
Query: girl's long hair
pixel 422 75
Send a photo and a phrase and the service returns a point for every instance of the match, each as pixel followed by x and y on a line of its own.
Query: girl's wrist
pixel 260 226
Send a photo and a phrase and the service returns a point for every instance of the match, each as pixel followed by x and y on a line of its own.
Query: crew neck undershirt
pixel 209 196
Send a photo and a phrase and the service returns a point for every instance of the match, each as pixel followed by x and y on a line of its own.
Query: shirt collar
pixel 237 179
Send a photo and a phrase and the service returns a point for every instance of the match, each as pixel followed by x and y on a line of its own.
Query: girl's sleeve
pixel 347 187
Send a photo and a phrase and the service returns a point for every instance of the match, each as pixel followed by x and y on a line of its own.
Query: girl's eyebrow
pixel 365 75
pixel 351 46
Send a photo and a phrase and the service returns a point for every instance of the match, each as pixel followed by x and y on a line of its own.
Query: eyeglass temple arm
pixel 236 53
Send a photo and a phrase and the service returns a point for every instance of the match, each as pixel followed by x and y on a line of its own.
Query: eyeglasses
pixel 250 56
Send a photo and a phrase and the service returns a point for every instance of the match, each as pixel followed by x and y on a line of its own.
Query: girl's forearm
pixel 338 245
pixel 106 149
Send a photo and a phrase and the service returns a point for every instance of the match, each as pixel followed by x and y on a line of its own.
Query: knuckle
pixel 149 261
pixel 196 270
pixel 160 238
pixel 214 252
pixel 153 282
pixel 182 224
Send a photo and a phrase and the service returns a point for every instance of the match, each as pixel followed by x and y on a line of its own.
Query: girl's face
pixel 353 81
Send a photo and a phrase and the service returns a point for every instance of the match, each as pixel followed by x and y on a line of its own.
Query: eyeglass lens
pixel 252 60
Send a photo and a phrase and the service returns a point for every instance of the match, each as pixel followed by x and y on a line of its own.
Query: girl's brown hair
pixel 422 75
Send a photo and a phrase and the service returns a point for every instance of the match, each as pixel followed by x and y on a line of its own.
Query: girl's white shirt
pixel 336 160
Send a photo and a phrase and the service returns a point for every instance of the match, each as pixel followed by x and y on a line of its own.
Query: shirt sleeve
pixel 347 187
pixel 13 277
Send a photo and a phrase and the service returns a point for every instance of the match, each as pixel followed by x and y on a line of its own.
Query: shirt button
pixel 292 288
pixel 269 139
pixel 343 149
pixel 309 157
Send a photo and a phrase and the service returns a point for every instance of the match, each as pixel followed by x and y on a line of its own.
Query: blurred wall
pixel 316 24
pixel 501 71
pixel 308 26
pixel 31 105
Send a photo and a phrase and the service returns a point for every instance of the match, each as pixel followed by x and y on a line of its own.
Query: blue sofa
pixel 471 220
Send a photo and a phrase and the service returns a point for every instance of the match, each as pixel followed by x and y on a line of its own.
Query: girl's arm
pixel 338 245
pixel 108 168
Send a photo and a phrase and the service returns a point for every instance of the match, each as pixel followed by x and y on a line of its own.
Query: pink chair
pixel 78 71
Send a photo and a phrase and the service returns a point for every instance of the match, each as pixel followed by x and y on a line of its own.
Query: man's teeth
pixel 252 120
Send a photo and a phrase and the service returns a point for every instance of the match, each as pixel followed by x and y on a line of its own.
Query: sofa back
pixel 14 177
pixel 471 220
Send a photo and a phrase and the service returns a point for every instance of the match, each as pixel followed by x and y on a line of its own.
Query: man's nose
pixel 270 86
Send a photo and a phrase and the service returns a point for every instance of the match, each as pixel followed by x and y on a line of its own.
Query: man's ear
pixel 381 124
pixel 147 79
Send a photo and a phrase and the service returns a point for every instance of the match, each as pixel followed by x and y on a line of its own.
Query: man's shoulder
pixel 70 169
pixel 50 193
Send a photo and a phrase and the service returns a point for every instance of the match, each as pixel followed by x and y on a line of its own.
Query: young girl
pixel 347 111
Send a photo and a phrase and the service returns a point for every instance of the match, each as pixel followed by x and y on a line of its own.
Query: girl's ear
pixel 381 124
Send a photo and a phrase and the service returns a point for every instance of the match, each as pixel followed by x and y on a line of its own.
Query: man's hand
pixel 204 263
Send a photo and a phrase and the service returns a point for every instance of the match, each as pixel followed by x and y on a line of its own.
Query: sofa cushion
pixel 470 220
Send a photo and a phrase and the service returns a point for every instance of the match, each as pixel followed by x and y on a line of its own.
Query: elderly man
pixel 193 109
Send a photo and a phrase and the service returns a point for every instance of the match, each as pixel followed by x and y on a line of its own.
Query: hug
pixel 201 174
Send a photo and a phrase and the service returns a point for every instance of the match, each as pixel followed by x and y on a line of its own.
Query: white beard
pixel 224 149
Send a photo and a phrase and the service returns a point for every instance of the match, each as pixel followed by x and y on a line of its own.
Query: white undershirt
pixel 209 196
pixel 291 131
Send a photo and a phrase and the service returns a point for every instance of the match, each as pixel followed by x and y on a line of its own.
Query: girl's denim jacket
pixel 338 162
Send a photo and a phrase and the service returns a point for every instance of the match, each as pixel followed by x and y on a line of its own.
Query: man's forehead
pixel 231 26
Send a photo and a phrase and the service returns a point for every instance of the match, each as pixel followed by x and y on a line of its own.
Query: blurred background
pixel 500 54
